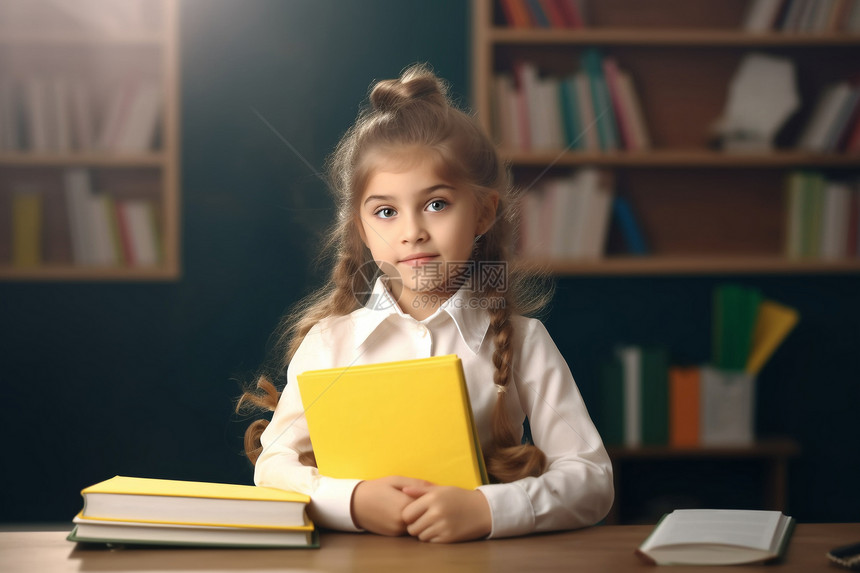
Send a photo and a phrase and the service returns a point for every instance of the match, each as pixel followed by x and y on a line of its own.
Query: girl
pixel 424 217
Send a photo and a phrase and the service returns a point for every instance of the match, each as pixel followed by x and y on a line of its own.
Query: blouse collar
pixel 464 308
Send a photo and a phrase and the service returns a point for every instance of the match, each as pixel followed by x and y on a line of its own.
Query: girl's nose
pixel 414 230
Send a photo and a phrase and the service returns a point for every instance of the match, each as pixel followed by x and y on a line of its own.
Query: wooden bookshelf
pixel 703 211
pixel 100 48
pixel 773 454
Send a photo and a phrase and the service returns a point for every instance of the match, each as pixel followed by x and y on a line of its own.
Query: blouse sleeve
pixel 576 489
pixel 287 436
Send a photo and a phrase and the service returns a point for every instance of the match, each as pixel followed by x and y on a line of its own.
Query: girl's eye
pixel 437 205
pixel 385 213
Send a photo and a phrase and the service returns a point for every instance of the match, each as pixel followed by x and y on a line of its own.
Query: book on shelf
pixel 734 315
pixel 628 225
pixel 543 13
pixel 802 16
pixel 684 406
pixel 593 108
pixel 567 218
pixel 27 227
pixel 717 537
pixel 423 429
pixel 126 509
pixel 821 217
pixel 831 118
pixel 108 231
pixel 634 398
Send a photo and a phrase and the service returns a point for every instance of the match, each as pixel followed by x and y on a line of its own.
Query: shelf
pixel 764 448
pixel 92 159
pixel 683 158
pixel 167 272
pixel 666 265
pixel 96 39
pixel 666 37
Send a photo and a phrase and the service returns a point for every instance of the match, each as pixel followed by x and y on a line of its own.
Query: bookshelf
pixel 89 99
pixel 773 455
pixel 701 209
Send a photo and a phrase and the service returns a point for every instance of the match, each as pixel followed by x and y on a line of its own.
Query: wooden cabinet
pixel 703 210
pixel 89 98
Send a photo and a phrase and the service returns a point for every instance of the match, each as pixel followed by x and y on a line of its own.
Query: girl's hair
pixel 408 117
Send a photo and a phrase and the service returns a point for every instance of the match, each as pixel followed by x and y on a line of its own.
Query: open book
pixel 410 418
pixel 717 537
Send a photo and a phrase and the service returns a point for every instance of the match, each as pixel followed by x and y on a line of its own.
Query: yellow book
pixel 27 229
pixel 411 418
pixel 148 500
pixel 773 323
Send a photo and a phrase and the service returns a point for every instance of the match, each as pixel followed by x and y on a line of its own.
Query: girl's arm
pixel 576 488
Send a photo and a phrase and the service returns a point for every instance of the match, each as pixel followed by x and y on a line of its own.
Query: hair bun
pixel 415 83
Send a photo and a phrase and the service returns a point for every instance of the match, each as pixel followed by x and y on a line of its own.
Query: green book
pixel 611 422
pixel 655 396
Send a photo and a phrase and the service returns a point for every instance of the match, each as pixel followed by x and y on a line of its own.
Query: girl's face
pixel 420 229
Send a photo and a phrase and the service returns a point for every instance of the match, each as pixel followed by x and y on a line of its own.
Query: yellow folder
pixel 410 418
pixel 773 323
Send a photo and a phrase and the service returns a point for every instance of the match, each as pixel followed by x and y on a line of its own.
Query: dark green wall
pixel 138 379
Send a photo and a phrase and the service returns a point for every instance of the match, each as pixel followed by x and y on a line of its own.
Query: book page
pixel 729 527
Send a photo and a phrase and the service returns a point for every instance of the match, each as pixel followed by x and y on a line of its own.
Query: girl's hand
pixel 378 504
pixel 444 514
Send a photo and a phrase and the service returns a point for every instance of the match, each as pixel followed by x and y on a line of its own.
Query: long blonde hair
pixel 414 111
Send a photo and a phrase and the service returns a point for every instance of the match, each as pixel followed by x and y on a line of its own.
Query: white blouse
pixel 576 489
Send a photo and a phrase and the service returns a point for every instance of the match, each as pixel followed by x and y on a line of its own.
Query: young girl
pixel 424 217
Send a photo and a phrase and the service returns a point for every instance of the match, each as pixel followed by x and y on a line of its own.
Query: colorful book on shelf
pixel 717 537
pixel 27 228
pixel 592 64
pixel 684 406
pixel 735 309
pixel 628 223
pixel 132 510
pixel 774 322
pixel 422 424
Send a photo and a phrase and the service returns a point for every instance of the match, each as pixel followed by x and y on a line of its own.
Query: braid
pixel 508 460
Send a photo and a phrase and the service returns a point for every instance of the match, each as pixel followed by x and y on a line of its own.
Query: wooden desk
pixel 597 549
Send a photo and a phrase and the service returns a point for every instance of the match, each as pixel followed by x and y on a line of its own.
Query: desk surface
pixel 605 548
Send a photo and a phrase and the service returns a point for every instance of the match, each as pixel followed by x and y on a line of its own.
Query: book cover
pixel 655 396
pixel 27 225
pixel 166 534
pixel 411 418
pixel 773 323
pixel 717 537
pixel 124 498
pixel 684 406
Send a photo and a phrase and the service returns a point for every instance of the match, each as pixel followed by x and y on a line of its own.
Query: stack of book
pixel 567 217
pixel 593 109
pixel 544 13
pixel 128 510
pixel 822 217
pixel 646 401
pixel 803 16
pixel 834 123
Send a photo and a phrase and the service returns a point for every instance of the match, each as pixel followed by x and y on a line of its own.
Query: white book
pixel 728 406
pixel 824 115
pixel 761 14
pixel 104 241
pixel 505 123
pixel 631 366
pixel 111 122
pixel 717 537
pixel 62 130
pixel 9 139
pixel 599 208
pixel 140 218
pixel 547 115
pixel 837 213
pixel 561 198
pixel 36 114
pixel 139 121
pixel 83 126
pixel 78 191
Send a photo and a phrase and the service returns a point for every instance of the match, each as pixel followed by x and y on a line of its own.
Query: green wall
pixel 138 379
